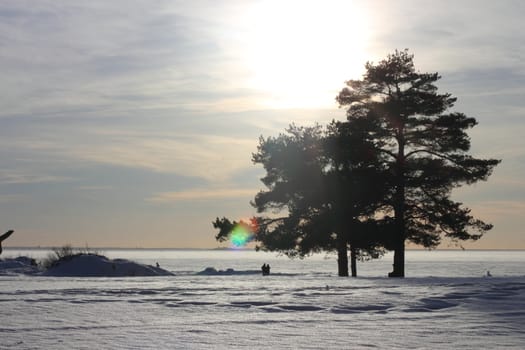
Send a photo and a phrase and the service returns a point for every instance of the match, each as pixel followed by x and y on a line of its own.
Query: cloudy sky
pixel 132 123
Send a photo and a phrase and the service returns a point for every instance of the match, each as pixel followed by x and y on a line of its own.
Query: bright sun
pixel 301 52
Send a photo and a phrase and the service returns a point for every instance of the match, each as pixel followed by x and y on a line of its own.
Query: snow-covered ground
pixel 302 304
pixel 80 265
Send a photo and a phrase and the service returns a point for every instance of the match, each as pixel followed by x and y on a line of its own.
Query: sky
pixel 132 123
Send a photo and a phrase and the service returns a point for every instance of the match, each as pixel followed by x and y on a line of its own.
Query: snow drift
pixel 93 265
pixel 212 271
pixel 20 265
pixel 81 265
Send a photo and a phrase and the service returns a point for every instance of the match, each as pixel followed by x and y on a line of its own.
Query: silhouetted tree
pixel 424 148
pixel 325 182
pixel 225 227
pixel 357 183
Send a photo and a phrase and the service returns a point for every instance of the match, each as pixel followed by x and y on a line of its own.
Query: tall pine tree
pixel 425 148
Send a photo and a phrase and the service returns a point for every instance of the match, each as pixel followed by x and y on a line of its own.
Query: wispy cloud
pixel 214 147
pixel 7 177
pixel 211 157
pixel 96 55
pixel 202 194
pixel 95 188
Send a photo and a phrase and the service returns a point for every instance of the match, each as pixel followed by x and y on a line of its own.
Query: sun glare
pixel 301 52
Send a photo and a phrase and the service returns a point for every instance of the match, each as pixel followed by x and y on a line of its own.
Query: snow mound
pixel 93 265
pixel 20 265
pixel 211 271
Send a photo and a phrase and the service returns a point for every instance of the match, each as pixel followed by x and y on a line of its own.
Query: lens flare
pixel 239 236
pixel 243 233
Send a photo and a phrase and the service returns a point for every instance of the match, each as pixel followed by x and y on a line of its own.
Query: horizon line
pixel 245 249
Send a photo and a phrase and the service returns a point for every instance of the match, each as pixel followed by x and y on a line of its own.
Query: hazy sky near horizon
pixel 132 123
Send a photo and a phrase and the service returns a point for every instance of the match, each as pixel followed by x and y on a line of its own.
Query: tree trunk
pixel 399 210
pixel 353 261
pixel 399 261
pixel 399 239
pixel 342 260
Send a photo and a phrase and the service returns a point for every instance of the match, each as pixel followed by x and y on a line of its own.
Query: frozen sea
pixel 445 302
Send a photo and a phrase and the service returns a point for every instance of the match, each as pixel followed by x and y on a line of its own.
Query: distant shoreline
pixel 129 248
pixel 245 249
